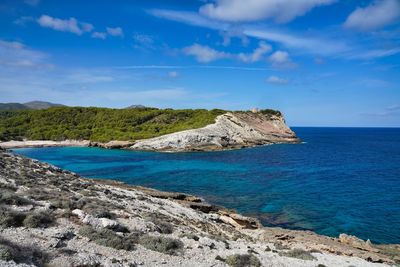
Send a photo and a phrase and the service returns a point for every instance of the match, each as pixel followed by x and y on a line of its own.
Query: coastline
pixel 232 130
pixel 114 144
pixel 223 220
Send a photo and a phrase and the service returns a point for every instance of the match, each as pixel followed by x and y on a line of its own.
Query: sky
pixel 321 62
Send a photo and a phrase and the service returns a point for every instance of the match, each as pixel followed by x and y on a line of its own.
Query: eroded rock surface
pixel 231 130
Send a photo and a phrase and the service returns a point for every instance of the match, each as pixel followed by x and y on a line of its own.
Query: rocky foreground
pixel 232 130
pixel 51 217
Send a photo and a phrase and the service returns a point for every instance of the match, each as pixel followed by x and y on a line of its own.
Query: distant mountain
pixel 41 105
pixel 137 106
pixel 28 105
pixel 12 106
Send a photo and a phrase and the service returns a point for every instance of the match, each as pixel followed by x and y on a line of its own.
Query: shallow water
pixel 339 180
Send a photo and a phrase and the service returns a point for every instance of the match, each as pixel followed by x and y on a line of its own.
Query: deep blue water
pixel 339 180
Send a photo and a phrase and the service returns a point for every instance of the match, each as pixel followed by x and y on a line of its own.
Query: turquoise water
pixel 339 180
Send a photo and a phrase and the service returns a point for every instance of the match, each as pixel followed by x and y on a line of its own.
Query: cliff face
pixel 230 130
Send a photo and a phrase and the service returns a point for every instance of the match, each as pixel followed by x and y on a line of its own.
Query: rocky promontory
pixel 231 130
pixel 52 217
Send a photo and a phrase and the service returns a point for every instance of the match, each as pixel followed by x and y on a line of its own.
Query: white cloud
pixel 281 59
pixel 375 16
pixel 257 54
pixel 99 35
pixel 117 31
pixel 277 80
pixel 228 35
pixel 190 18
pixel 306 44
pixel 66 25
pixel 372 54
pixel 143 41
pixel 173 74
pixel 204 54
pixel 252 10
pixel 16 55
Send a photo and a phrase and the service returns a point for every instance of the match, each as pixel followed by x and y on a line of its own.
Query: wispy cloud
pixel 306 43
pixel 117 31
pixel 281 59
pixel 258 54
pixel 173 74
pixel 99 35
pixel 252 10
pixel 17 55
pixel 393 110
pixel 66 25
pixel 375 16
pixel 190 18
pixel 277 80
pixel 191 67
pixel 204 54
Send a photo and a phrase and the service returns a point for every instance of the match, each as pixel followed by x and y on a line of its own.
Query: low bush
pixel 109 238
pixel 298 254
pixel 190 236
pixel 6 253
pixel 163 227
pixel 161 244
pixel 39 219
pixel 242 260
pixel 11 198
pixel 11 218
pixel 99 211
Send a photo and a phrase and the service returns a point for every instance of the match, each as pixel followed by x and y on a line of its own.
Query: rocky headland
pixel 52 217
pixel 231 130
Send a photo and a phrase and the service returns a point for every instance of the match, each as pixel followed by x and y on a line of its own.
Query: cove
pixel 340 180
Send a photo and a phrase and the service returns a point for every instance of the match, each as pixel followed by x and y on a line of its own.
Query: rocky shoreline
pixel 232 130
pixel 52 217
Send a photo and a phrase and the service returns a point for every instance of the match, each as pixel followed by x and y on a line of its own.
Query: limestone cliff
pixel 230 130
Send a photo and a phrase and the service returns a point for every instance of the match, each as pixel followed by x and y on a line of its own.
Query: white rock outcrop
pixel 230 130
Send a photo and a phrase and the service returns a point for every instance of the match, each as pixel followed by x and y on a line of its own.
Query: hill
pixel 41 105
pixel 100 124
pixel 12 106
pixel 28 105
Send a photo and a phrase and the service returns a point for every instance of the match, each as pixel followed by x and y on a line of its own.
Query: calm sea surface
pixel 339 180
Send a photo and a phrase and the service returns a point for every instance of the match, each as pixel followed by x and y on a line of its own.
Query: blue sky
pixel 321 62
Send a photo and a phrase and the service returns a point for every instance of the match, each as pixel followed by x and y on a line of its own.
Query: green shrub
pixel 6 253
pixel 271 112
pixel 242 260
pixel 163 227
pixel 11 218
pixel 161 244
pixel 11 198
pixel 109 238
pixel 99 211
pixel 39 219
pixel 298 254
pixel 190 236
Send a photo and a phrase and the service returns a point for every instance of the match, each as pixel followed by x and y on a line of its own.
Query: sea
pixel 339 180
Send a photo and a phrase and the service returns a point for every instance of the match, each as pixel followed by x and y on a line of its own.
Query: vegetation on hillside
pixel 100 124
